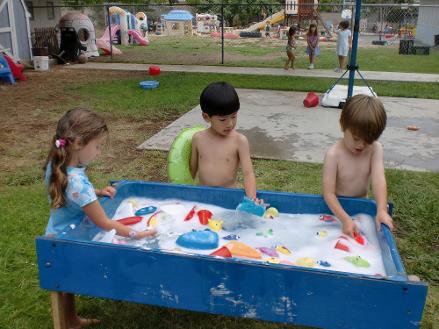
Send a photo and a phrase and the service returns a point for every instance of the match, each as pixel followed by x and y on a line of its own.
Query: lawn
pixel 268 53
pixel 29 113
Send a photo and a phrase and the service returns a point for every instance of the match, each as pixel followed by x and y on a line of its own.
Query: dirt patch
pixel 31 109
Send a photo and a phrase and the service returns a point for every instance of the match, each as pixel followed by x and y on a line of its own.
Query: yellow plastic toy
pixel 215 224
pixel 271 213
pixel 306 262
pixel 283 250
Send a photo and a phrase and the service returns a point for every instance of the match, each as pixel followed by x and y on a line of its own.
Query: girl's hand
pixel 145 234
pixel 383 218
pixel 108 191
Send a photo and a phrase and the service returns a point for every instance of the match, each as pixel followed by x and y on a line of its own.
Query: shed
pixel 177 22
pixel 428 23
pixel 15 30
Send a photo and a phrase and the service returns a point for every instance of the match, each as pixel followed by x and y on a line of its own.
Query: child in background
pixel 267 30
pixel 79 137
pixel 313 49
pixel 291 45
pixel 343 42
pixel 357 158
pixel 218 151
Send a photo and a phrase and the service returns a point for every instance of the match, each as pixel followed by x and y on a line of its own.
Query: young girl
pixel 78 140
pixel 313 49
pixel 291 45
pixel 343 41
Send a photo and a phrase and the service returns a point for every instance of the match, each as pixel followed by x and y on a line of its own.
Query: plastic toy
pixel 239 249
pixel 311 100
pixel 357 261
pixel 232 237
pixel 152 221
pixel 5 71
pixel 283 250
pixel 322 234
pixel 215 224
pixel 130 220
pixel 190 214
pixel 359 238
pixel 198 240
pixel 271 213
pixel 16 68
pixel 223 252
pixel 204 215
pixel 149 84
pixel 306 262
pixel 179 156
pixel 272 260
pixel 327 218
pixel 268 251
pixel 249 206
pixel 323 263
pixel 341 246
pixel 154 70
pixel 145 211
pixel 265 234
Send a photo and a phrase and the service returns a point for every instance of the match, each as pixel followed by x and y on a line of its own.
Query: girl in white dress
pixel 343 42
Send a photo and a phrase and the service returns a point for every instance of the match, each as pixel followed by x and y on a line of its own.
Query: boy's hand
pixel 383 217
pixel 349 228
pixel 107 191
pixel 258 201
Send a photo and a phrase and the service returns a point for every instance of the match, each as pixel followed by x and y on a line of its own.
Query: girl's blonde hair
pixel 77 125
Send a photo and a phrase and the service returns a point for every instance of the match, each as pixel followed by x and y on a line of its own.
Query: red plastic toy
pixel 204 216
pixel 130 220
pixel 311 100
pixel 359 238
pixel 190 214
pixel 154 70
pixel 327 218
pixel 16 69
pixel 223 252
pixel 342 246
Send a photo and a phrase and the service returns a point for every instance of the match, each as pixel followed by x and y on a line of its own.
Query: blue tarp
pixel 178 15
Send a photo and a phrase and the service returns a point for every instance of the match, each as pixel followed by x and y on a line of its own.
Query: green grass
pixel 180 91
pixel 24 207
pixel 263 53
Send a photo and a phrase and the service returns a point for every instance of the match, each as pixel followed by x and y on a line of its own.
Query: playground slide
pixel 273 19
pixel 114 29
pixel 138 37
pixel 105 46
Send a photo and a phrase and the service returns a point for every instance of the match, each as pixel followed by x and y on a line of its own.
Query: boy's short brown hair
pixel 364 116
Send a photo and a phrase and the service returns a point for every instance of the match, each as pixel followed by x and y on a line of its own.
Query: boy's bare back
pixel 218 157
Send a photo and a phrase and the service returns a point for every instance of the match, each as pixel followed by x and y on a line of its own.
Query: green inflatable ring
pixel 179 156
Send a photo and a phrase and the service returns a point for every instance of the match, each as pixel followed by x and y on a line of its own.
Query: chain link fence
pixel 253 34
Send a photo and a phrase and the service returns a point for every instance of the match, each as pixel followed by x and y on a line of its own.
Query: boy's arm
pixel 329 187
pixel 379 187
pixel 247 167
pixel 193 163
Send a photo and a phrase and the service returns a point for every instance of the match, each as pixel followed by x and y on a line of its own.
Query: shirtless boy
pixel 357 158
pixel 218 151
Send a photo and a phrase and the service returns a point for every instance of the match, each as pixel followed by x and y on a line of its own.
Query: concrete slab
pixel 279 127
pixel 368 75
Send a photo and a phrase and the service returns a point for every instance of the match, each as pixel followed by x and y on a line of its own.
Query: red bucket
pixel 154 70
pixel 204 216
pixel 311 100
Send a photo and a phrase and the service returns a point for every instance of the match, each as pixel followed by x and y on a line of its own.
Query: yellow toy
pixel 283 250
pixel 215 224
pixel 271 213
pixel 306 262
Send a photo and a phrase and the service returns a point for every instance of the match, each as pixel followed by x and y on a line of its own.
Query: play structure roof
pixel 178 15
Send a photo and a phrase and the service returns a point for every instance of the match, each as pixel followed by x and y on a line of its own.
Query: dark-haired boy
pixel 218 151
pixel 357 158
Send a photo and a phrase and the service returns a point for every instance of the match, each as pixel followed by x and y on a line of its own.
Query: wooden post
pixel 58 310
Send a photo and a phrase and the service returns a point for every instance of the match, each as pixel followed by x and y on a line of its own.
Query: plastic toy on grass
pixel 149 84
pixel 251 207
pixel 198 240
pixel 154 70
pixel 179 156
pixel 311 100
pixel 16 68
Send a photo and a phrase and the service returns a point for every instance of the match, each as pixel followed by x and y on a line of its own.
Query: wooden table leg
pixel 58 310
